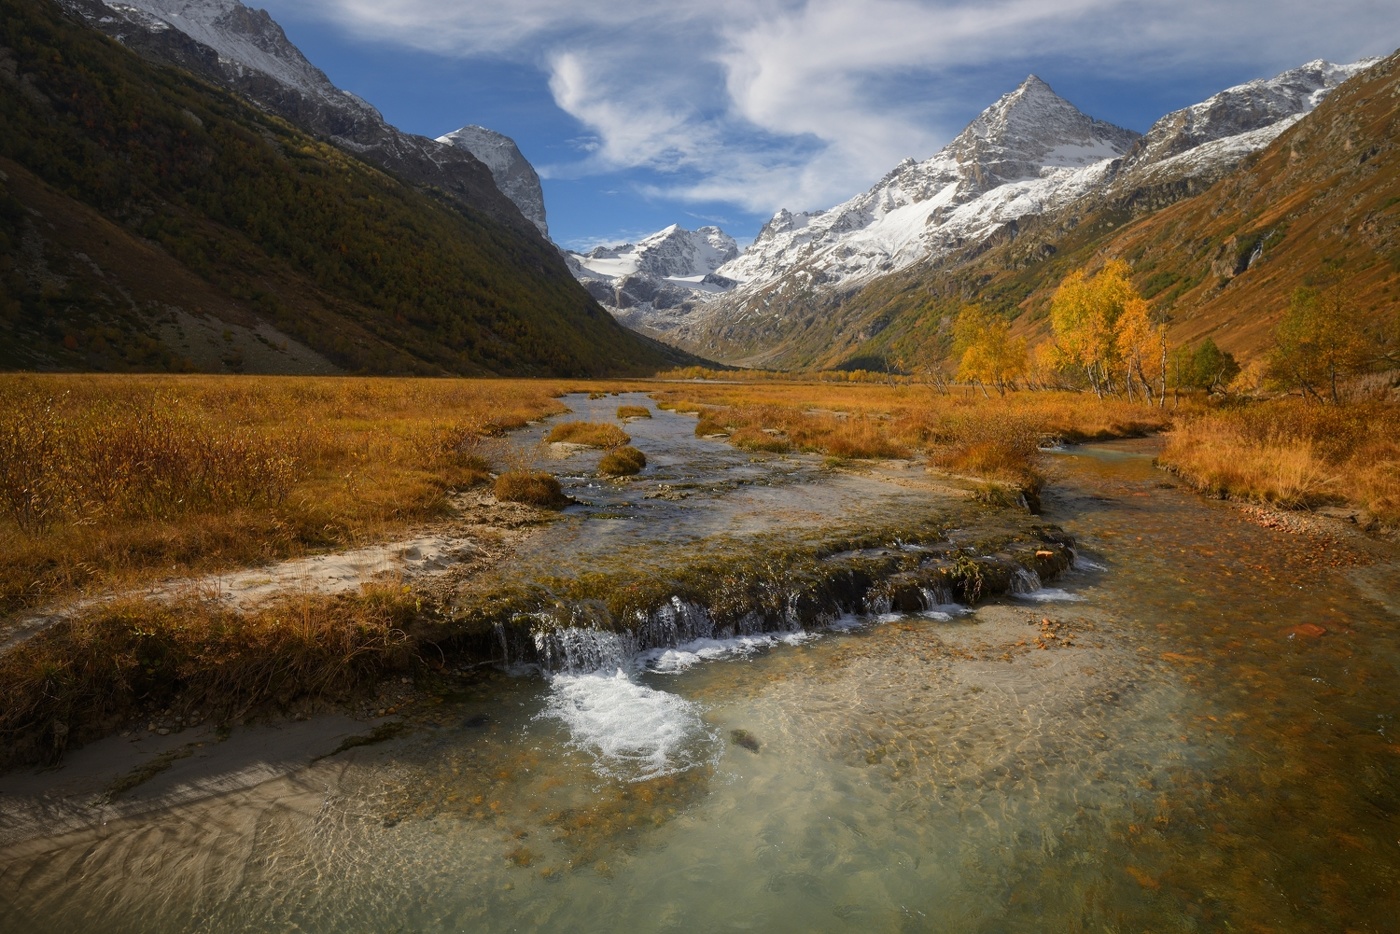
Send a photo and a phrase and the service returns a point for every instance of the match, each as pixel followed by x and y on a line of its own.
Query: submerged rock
pixel 744 738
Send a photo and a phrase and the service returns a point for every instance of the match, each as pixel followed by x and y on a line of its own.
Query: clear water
pixel 1184 753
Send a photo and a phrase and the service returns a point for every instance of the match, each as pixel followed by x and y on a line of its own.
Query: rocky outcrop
pixel 513 173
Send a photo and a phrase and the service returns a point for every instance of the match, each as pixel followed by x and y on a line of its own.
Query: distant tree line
pixel 1105 338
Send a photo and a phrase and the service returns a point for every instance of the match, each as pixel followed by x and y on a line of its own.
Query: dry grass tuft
pixel 622 462
pixel 532 487
pixel 993 445
pixel 1295 455
pixel 633 411
pixel 593 434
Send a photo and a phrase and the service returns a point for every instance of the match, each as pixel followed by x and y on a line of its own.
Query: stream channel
pixel 1192 729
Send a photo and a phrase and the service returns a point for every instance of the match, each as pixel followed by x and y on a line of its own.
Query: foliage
pixel 995 438
pixel 533 487
pixel 375 276
pixel 106 481
pixel 1294 454
pixel 633 411
pixel 1318 344
pixel 986 351
pixel 1103 329
pixel 65 684
pixel 1206 367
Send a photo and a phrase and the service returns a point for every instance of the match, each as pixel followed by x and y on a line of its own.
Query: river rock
pixel 746 739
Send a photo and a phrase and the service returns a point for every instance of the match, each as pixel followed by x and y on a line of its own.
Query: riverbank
pixel 1296 455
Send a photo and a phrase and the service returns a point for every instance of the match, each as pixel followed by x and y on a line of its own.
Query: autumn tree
pixel 987 353
pixel 1318 344
pixel 1141 345
pixel 1104 330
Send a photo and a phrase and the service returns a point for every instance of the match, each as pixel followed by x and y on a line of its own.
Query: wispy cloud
pixel 799 103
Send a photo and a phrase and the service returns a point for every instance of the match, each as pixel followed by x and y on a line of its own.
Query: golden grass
pixel 533 487
pixel 622 462
pixel 633 411
pixel 106 481
pixel 82 677
pixel 593 434
pixel 1293 454
pixel 995 439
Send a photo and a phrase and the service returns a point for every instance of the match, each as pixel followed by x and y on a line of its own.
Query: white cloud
pixel 801 103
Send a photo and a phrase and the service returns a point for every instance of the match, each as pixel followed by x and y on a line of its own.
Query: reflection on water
pixel 1201 739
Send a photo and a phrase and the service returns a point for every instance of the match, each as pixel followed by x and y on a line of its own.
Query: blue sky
pixel 641 114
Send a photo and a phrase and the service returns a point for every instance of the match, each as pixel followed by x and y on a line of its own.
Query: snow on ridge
pixel 255 43
pixel 1030 152
pixel 1030 149
pixel 1240 110
pixel 673 253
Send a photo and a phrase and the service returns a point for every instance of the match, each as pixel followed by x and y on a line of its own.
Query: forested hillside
pixel 151 221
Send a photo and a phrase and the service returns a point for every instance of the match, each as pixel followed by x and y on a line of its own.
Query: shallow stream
pixel 1194 730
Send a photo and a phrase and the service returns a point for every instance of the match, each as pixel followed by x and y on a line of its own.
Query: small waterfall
pixel 936 596
pixel 877 603
pixel 1025 581
pixel 674 623
pixel 572 650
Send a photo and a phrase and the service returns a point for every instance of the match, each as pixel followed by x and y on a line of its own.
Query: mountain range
pixel 159 218
pixel 1031 154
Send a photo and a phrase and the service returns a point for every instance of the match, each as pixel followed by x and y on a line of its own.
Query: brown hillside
pixel 1321 204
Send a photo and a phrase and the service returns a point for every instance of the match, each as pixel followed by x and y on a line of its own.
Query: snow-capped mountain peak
pixel 514 174
pixel 650 284
pixel 672 253
pixel 1255 112
pixel 1030 129
pixel 1032 148
pixel 1029 153
pixel 245 37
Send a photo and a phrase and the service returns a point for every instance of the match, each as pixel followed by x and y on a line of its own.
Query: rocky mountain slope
pixel 511 171
pixel 1031 149
pixel 152 221
pixel 1031 154
pixel 246 51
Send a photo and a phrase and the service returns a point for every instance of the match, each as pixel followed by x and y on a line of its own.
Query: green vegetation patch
pixel 622 462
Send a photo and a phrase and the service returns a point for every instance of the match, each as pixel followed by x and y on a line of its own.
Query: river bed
pixel 1193 730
